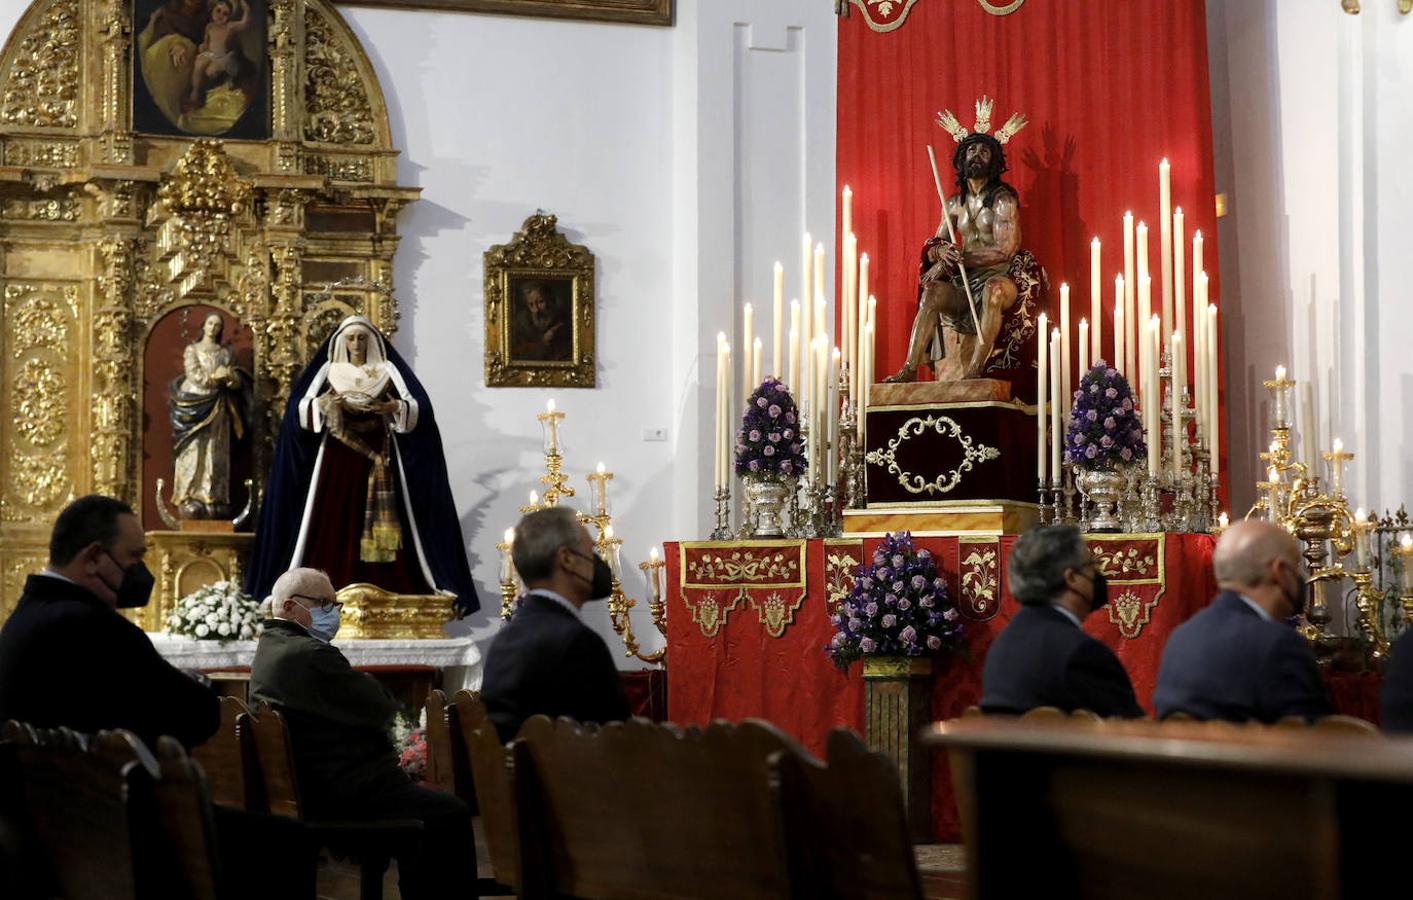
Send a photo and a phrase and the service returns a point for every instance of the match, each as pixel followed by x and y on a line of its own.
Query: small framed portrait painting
pixel 539 310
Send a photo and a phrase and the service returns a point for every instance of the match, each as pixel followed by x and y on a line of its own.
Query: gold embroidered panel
pixel 767 576
pixel 105 229
pixel 1135 566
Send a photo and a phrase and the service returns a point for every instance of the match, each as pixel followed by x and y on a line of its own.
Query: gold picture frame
pixel 539 309
pixel 633 12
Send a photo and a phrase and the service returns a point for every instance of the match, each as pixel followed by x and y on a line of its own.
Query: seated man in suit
pixel 338 722
pixel 545 659
pixel 1238 659
pixel 68 658
pixel 1043 657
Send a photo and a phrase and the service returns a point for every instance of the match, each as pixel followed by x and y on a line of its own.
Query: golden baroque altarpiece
pixel 104 231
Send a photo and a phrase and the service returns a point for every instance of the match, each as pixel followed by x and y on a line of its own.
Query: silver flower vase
pixel 1102 488
pixel 766 497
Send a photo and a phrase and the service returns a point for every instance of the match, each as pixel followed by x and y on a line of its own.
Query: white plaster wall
pixel 1313 123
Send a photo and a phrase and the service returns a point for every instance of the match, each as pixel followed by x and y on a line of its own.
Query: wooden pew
pixel 225 757
pixel 1173 810
pixel 645 810
pixel 372 843
pixel 111 821
pixel 845 823
pixel 489 764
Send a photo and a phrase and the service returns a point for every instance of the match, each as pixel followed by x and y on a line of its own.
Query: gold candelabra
pixel 1336 540
pixel 606 543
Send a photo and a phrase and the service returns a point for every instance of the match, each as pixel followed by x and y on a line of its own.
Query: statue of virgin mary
pixel 358 486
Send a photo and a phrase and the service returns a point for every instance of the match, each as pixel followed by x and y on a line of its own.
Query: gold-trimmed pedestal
pixel 897 706
pixel 944 518
pixel 183 561
pixel 371 613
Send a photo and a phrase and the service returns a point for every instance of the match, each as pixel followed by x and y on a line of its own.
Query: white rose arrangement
pixel 216 612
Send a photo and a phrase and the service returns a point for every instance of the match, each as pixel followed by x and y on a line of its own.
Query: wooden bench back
pixel 112 821
pixel 489 763
pixel 273 763
pixel 223 756
pixel 1172 809
pixel 184 816
pixel 78 803
pixel 639 809
pixel 845 823
pixel 441 762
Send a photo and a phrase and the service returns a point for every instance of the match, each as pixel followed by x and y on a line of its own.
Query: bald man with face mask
pixel 1239 659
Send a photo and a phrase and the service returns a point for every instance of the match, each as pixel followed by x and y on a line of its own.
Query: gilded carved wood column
pixel 114 388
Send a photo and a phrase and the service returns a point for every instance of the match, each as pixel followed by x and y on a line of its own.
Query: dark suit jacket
pixel 67 658
pixel 338 717
pixel 1042 659
pixel 1227 662
pixel 545 660
pixel 1397 704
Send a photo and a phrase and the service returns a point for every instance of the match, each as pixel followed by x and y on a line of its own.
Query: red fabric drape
pixel 1110 88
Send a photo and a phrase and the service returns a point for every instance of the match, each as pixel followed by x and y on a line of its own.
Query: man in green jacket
pixel 338 721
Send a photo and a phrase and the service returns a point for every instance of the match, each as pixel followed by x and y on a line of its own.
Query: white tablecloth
pixel 458 658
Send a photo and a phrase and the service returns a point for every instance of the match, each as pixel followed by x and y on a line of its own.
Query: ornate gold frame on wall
pixel 538 251
pixel 103 231
pixel 634 12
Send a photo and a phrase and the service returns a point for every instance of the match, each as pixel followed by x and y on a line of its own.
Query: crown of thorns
pixel 949 122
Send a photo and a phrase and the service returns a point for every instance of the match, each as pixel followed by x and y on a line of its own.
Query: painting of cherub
pixel 203 68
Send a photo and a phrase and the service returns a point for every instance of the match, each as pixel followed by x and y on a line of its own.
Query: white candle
pixel 806 353
pixel 1362 556
pixel 806 263
pixel 849 296
pixel 848 213
pixel 821 409
pixel 1278 413
pixel 1057 435
pixel 1066 394
pixel 507 564
pixel 1096 292
pixel 720 410
pixel 818 270
pixel 868 370
pixel 1196 256
pixel 1201 357
pixel 792 372
pixel 821 317
pixel 1165 231
pixel 534 499
pixel 1041 397
pixel 1143 273
pixel 1307 426
pixel 747 315
pixel 1180 276
pixel 1083 348
pixel 1131 322
pixel 1145 309
pixel 832 471
pixel 859 384
pixel 551 430
pixel 755 366
pixel 1176 405
pixel 728 440
pixel 601 488
pixel 1153 397
pixel 1213 394
pixel 1337 468
pixel 779 320
pixel 1118 360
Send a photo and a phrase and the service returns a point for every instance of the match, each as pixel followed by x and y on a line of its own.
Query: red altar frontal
pixel 749 620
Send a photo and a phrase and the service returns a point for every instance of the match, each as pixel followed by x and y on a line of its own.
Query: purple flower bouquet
pixel 1105 431
pixel 769 442
pixel 899 606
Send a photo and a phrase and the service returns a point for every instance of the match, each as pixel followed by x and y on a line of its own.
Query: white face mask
pixel 324 623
